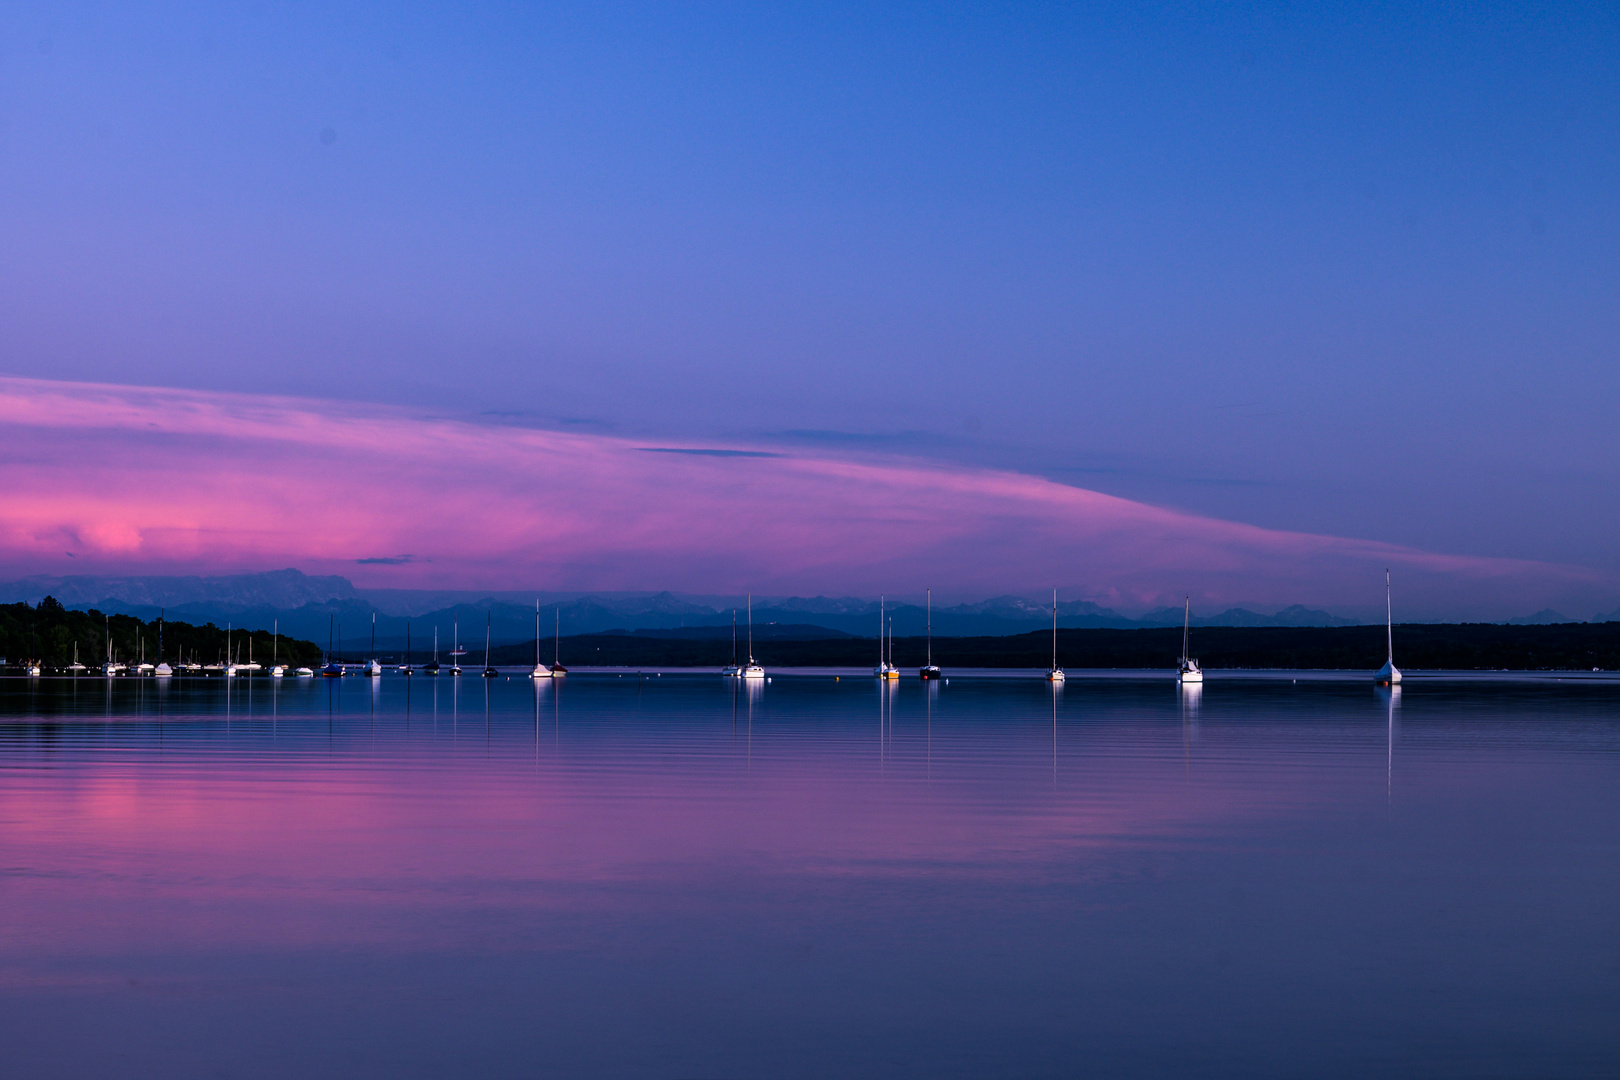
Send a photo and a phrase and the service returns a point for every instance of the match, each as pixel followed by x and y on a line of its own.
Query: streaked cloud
pixel 154 479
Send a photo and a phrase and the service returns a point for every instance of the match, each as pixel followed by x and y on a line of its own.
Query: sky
pixel 1315 270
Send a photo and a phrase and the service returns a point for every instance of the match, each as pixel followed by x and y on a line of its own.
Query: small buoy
pixel 835 678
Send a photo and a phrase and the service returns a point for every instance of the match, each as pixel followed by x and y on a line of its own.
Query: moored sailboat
pixel 489 672
pixel 1389 674
pixel 753 670
pixel 930 670
pixel 557 669
pixel 884 669
pixel 1056 674
pixel 1187 670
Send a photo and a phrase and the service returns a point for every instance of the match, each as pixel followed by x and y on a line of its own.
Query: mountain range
pixel 312 606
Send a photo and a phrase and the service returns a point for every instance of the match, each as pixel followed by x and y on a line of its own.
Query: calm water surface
pixel 676 877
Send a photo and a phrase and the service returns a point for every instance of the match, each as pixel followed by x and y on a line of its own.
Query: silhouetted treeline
pixel 47 633
pixel 1456 646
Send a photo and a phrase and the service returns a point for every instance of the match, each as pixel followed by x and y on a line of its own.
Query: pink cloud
pixel 164 480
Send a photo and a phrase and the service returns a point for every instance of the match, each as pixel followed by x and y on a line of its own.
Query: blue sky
pixel 1347 270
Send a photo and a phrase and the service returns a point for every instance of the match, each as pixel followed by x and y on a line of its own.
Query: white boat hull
pixel 1388 675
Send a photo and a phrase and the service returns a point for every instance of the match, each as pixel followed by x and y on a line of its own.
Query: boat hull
pixel 930 673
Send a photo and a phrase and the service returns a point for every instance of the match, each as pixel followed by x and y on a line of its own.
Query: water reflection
pixel 1023 876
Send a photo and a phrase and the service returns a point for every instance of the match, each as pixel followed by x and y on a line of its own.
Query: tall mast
pixel 537 633
pixel 487 617
pixel 733 637
pixel 881 661
pixel 1389 619
pixel 1054 629
pixel 160 639
pixel 930 627
pixel 556 639
pixel 750 629
pixel 1186 621
pixel 275 640
pixel 891 642
pixel 373 635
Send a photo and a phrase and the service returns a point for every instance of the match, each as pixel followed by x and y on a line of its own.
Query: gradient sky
pixel 1340 271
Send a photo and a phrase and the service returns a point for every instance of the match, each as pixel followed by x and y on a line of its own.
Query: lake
pixel 671 875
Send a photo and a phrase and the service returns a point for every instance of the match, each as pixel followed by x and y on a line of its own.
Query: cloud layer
pixel 103 478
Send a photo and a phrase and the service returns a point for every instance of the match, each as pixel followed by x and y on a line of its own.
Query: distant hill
pixel 49 632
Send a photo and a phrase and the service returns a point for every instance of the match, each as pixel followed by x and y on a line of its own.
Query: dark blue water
pixel 673 877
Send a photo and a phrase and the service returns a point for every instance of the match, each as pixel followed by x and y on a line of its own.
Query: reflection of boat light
pixel 1389 674
pixel 1187 670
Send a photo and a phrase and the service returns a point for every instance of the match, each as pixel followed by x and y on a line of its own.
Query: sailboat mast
pixel 487 617
pixel 374 635
pixel 1054 629
pixel 556 638
pixel 1186 621
pixel 275 640
pixel 733 637
pixel 750 629
pixel 881 662
pixel 537 633
pixel 930 627
pixel 1389 619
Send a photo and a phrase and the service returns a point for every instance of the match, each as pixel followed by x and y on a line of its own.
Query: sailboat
pixel 373 668
pixel 162 670
pixel 734 669
pixel 541 671
pixel 110 667
pixel 331 669
pixel 405 668
pixel 557 670
pixel 884 670
pixel 278 670
pixel 1187 671
pixel 143 668
pixel 489 672
pixel 76 667
pixel 456 651
pixel 753 669
pixel 229 664
pixel 433 668
pixel 894 671
pixel 930 670
pixel 1056 674
pixel 1389 674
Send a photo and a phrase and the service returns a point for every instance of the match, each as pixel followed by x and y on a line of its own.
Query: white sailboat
pixel 541 671
pixel 110 667
pixel 373 668
pixel 456 651
pixel 1056 674
pixel 76 667
pixel 163 670
pixel 405 668
pixel 893 672
pixel 753 670
pixel 1187 671
pixel 884 670
pixel 1389 674
pixel 930 670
